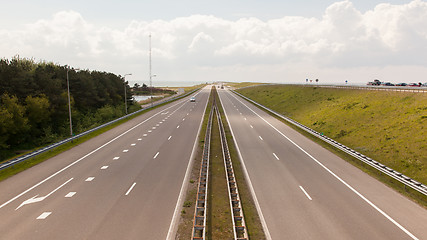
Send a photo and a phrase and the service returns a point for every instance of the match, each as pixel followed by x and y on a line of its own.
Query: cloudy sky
pixel 224 40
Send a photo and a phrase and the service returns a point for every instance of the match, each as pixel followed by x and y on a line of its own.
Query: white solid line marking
pixel 44 215
pixel 130 189
pixel 133 144
pixel 157 154
pixel 145 135
pixel 177 126
pixel 169 138
pixel 276 156
pixel 70 194
pixel 126 150
pixel 336 176
pixel 261 139
pixel 308 196
pixel 104 167
pixel 89 179
pixel 115 158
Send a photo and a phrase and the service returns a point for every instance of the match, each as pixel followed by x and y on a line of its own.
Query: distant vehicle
pixel 376 82
pixel 401 84
pixel 425 84
pixel 222 86
pixel 414 85
pixel 387 84
pixel 192 99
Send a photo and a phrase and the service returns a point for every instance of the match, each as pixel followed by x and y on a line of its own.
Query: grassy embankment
pixel 387 126
pixel 19 167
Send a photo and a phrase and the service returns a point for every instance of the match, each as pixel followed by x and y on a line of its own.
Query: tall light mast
pixel 151 83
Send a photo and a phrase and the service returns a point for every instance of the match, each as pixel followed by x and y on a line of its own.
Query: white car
pixel 192 99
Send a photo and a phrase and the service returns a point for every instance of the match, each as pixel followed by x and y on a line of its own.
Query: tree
pixel 15 123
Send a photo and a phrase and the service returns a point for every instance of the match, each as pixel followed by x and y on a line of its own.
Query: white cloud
pixel 344 41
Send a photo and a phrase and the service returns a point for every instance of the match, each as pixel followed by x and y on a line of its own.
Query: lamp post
pixel 69 101
pixel 124 84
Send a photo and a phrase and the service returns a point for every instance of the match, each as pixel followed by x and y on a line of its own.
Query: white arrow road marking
pixel 39 199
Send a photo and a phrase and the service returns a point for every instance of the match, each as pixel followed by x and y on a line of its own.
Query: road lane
pixel 134 197
pixel 279 170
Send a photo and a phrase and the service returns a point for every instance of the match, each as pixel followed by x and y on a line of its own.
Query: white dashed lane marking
pixel 89 179
pixel 104 167
pixel 115 158
pixel 44 215
pixel 70 194
pixel 126 150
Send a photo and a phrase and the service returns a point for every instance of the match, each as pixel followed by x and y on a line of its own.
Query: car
pixel 192 99
pixel 414 85
pixel 401 84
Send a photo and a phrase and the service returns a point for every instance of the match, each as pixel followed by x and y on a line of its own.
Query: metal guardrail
pixel 54 145
pixel 199 221
pixel 239 226
pixel 407 181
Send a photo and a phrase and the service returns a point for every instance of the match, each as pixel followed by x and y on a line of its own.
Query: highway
pixel 123 184
pixel 303 191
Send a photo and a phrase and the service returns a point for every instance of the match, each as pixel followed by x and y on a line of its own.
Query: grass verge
pixel 219 222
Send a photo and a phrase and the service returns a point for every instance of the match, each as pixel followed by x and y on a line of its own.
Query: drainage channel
pixel 199 221
pixel 239 226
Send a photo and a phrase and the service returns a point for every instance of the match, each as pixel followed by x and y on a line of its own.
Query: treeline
pixel 145 90
pixel 34 102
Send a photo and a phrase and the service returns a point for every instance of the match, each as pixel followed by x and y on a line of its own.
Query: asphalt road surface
pixel 303 191
pixel 123 184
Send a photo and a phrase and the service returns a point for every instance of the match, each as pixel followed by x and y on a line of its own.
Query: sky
pixel 224 40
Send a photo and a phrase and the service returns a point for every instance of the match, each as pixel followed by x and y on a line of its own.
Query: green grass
pixel 242 84
pixel 219 224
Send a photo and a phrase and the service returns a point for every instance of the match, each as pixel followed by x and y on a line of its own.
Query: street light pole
pixel 124 84
pixel 69 101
